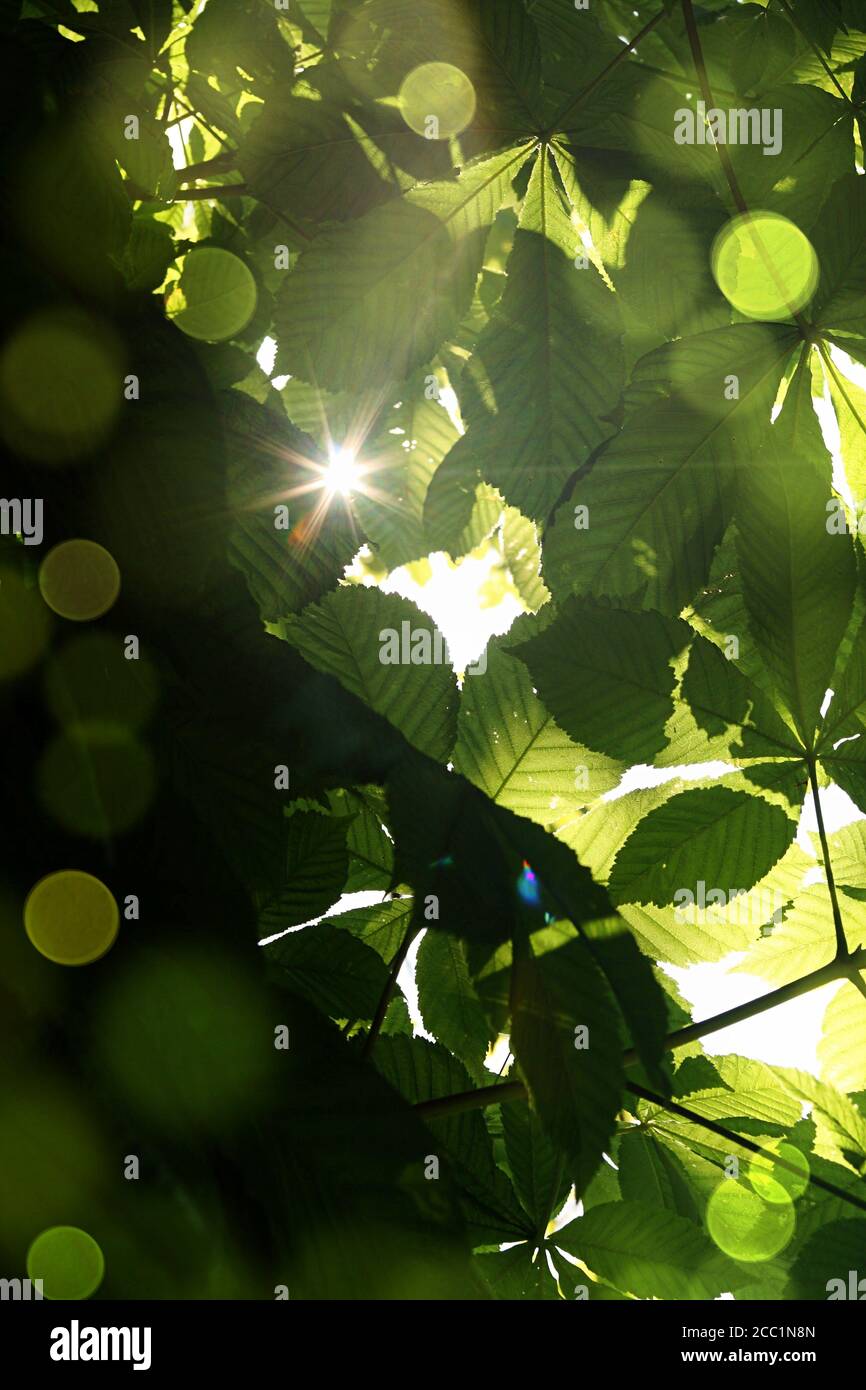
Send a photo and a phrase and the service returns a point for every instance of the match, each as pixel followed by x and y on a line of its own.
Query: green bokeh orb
pixel 61 387
pixel 71 917
pixel 765 266
pixel 96 779
pixel 79 580
pixel 215 297
pixel 25 625
pixel 745 1226
pixel 68 1261
pixel 182 1033
pixel 437 100
pixel 776 1183
pixel 90 679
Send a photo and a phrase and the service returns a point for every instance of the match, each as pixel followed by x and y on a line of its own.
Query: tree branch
pixel 471 1100
pixel 842 967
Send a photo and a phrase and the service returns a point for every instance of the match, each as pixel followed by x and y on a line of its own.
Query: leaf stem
pixel 842 951
pixel 817 52
pixel 605 72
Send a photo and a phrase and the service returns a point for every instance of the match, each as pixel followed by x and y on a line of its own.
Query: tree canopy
pixel 304 293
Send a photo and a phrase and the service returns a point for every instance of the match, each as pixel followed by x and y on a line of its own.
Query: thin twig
pixel 714 1127
pixel 817 52
pixel 219 163
pixel 221 190
pixel 388 992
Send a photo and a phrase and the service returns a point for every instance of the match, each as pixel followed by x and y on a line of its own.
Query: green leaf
pixel 448 1001
pixel 215 297
pixel 726 838
pixel 517 1273
pixel 841 1134
pixel 719 697
pixel 233 34
pixel 147 255
pixel 540 1170
pixel 750 1091
pixel 840 243
pixel 276 471
pixel 348 634
pixel 331 968
pixel 690 935
pixel 816 149
pixel 666 278
pixel 606 676
pixel 649 1173
pixel 422 1071
pixel 382 926
pixel 316 13
pixel 635 988
pixel 650 1253
pixel 495 46
pixel 521 549
pixel 842 1049
pixel 657 498
pixel 301 157
pixel 471 856
pixel 798 579
pixel 316 866
pixel 512 749
pixel 806 939
pixel 821 1270
pixel 371 853
pixel 848 854
pixel 372 301
pixel 534 403
pixel 574 1079
pixel 416 435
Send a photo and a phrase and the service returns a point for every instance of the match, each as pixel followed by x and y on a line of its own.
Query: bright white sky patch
pixel 267 355
pixel 451 598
